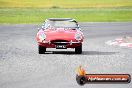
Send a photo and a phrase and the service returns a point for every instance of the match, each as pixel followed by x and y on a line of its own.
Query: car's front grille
pixel 59 42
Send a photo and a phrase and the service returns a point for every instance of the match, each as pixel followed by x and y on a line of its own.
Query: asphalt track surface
pixel 22 67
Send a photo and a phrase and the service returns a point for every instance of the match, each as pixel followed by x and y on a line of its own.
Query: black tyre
pixel 78 50
pixel 41 49
pixel 81 80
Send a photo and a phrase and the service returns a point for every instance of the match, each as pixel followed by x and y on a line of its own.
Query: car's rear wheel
pixel 78 50
pixel 41 49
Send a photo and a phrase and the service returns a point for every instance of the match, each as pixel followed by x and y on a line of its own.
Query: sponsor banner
pixel 83 78
pixel 108 78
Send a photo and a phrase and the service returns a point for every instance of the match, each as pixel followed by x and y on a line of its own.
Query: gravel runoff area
pixel 22 67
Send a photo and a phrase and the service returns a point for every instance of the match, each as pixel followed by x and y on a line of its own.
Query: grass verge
pixel 65 3
pixel 38 15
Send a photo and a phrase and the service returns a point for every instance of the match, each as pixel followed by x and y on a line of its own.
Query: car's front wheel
pixel 41 49
pixel 78 50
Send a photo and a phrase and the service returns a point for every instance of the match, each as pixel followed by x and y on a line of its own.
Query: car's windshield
pixel 61 24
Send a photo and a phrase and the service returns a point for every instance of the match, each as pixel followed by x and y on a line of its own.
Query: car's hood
pixel 60 33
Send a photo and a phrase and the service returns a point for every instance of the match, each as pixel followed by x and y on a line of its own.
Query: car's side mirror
pixel 38 29
pixel 43 27
pixel 79 29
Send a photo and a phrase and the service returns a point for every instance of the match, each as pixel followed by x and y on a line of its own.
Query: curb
pixel 122 42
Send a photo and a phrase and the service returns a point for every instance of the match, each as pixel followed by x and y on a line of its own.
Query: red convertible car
pixel 60 33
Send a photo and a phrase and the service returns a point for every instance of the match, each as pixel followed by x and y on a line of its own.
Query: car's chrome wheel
pixel 78 50
pixel 41 49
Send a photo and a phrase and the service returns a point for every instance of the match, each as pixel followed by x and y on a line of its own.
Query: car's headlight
pixel 78 36
pixel 42 37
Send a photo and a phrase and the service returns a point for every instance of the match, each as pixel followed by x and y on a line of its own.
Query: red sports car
pixel 60 33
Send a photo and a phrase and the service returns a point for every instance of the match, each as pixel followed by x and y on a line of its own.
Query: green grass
pixel 65 3
pixel 19 15
pixel 36 11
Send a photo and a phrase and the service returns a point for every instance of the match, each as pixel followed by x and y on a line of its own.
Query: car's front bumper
pixel 71 44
